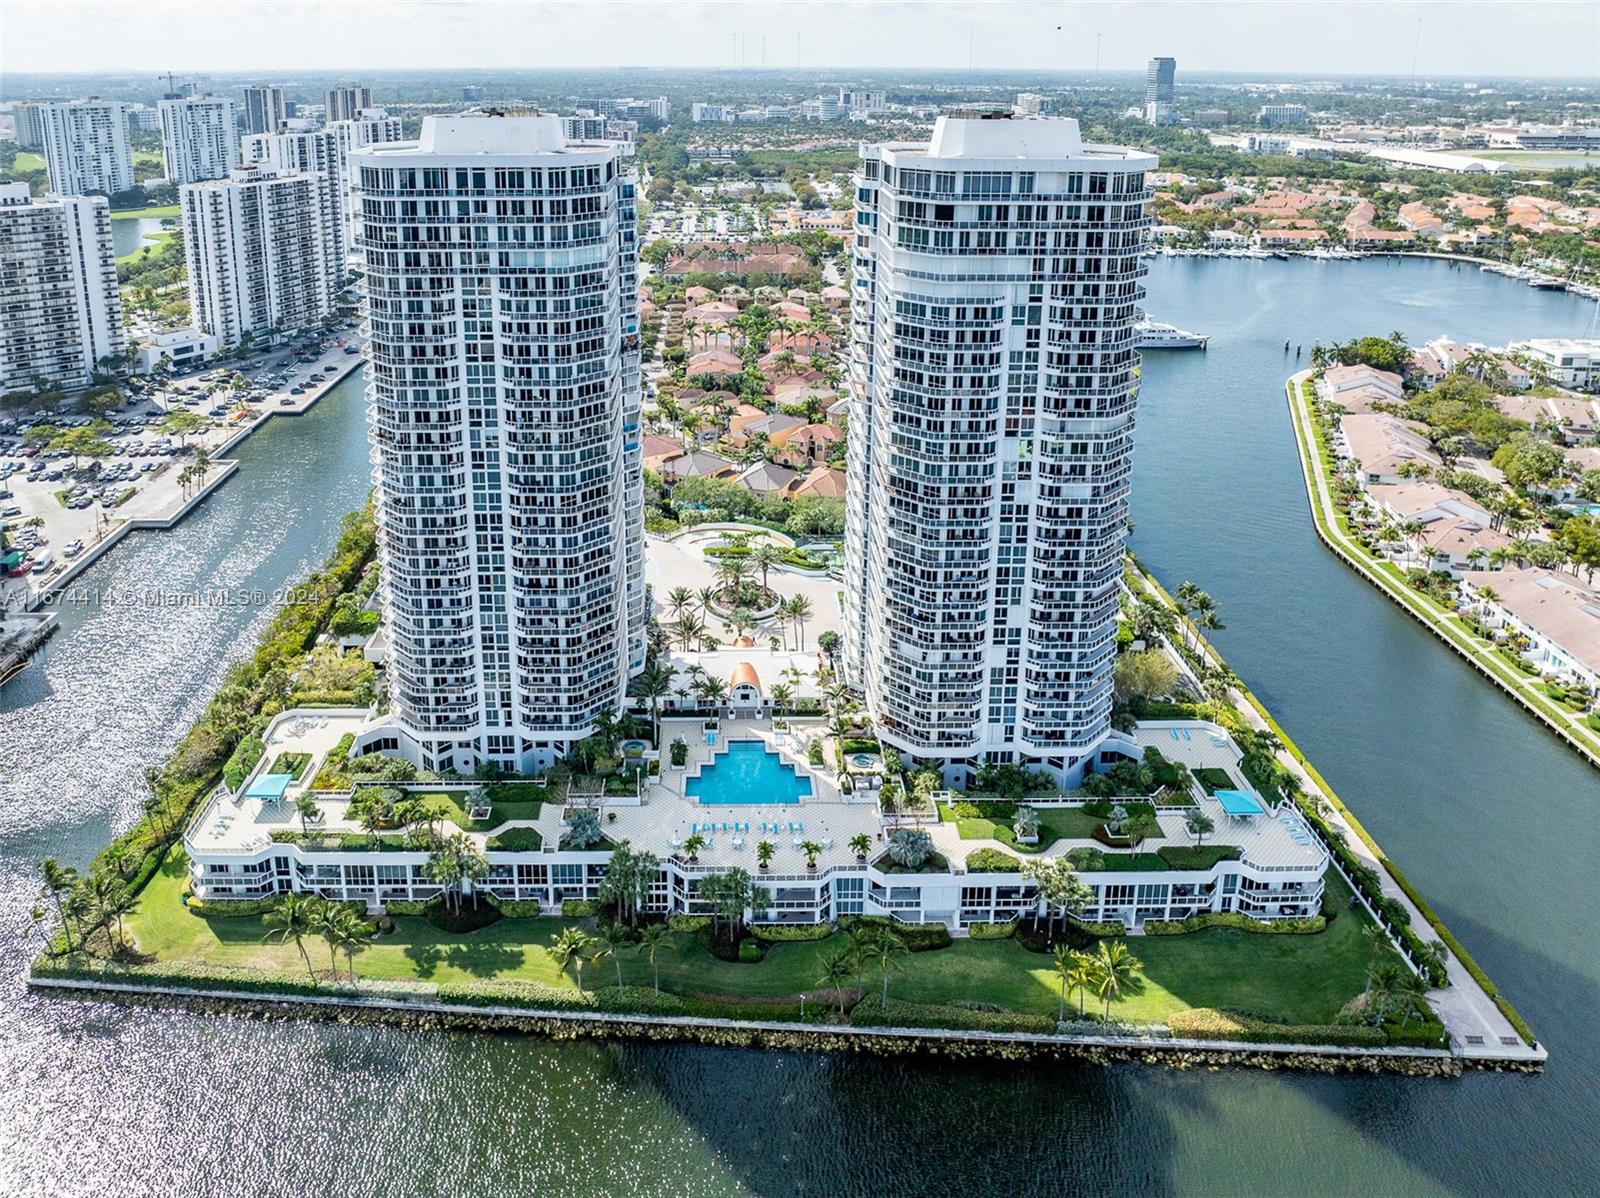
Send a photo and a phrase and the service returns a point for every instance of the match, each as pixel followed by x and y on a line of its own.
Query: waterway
pixel 1488 813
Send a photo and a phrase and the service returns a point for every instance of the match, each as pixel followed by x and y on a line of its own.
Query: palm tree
pixel 654 684
pixel 353 933
pixel 1386 983
pixel 290 920
pixel 798 609
pixel 810 848
pixel 693 845
pixel 568 947
pixel 1064 961
pixel 766 556
pixel 325 922
pixel 861 845
pixel 651 938
pixel 764 851
pixel 114 900
pixel 883 948
pixel 732 572
pixel 1199 824
pixel 1082 977
pixel 612 940
pixel 679 600
pixel 838 971
pixel 59 880
pixel 1115 969
pixel 781 692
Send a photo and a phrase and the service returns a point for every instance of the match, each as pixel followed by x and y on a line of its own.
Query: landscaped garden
pixel 1185 980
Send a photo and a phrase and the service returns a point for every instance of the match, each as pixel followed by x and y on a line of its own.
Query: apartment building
pixel 199 137
pixel 260 253
pixel 993 383
pixel 345 102
pixel 264 109
pixel 501 300
pixel 1272 116
pixel 327 151
pixel 86 146
pixel 60 311
pixel 29 118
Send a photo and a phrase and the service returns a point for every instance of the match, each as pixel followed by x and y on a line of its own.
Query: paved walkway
pixel 1468 1013
pixel 1445 626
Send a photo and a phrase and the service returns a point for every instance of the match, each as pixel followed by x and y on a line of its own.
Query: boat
pixel 1152 334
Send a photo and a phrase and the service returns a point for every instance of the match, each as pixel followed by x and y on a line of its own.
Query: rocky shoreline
pixel 967 1045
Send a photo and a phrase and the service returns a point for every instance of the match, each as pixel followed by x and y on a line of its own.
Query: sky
pixel 1455 37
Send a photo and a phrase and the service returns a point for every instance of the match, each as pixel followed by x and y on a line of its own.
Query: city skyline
pixel 1552 39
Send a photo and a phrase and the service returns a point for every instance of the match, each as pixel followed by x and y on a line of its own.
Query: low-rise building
pixel 1382 446
pixel 1577 418
pixel 1557 614
pixel 1568 361
pixel 1456 531
pixel 696 820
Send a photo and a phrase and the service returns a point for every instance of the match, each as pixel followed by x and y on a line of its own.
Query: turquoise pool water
pixel 748 772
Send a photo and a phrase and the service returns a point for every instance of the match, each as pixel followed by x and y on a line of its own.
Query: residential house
pixel 767 478
pixel 1557 613
pixel 1455 528
pixel 1577 417
pixel 1383 445
pixel 1336 381
pixel 699 464
pixel 1290 239
pixel 820 483
pixel 807 444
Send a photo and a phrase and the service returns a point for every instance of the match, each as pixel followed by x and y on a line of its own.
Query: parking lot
pixel 55 507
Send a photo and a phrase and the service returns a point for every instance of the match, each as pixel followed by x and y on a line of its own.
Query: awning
pixel 269 788
pixel 1236 802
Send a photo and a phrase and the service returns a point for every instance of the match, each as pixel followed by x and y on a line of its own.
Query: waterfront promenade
pixel 1479 1029
pixel 1444 624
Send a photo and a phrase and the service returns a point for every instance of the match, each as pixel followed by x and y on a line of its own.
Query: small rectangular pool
pixel 748 772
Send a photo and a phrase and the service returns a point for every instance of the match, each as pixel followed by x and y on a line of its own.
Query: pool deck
pixel 665 819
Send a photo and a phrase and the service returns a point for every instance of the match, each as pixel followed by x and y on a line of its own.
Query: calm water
pixel 1469 795
pixel 128 233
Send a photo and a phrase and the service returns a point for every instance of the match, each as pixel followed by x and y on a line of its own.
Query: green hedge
pixel 918 937
pixel 1103 930
pixel 688 923
pixel 400 907
pixel 243 759
pixel 992 861
pixel 293 764
pixel 775 933
pixel 992 931
pixel 1232 919
pixel 1202 1023
pixel 860 745
pixel 517 908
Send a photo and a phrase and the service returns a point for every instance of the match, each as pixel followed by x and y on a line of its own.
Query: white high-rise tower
pixel 60 310
pixel 993 385
pixel 86 147
pixel 199 138
pixel 264 109
pixel 503 377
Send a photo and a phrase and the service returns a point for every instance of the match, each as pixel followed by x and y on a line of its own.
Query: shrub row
pixel 918 937
pixel 681 923
pixel 992 931
pixel 1232 919
pixel 1203 1023
pixel 581 908
pixel 782 932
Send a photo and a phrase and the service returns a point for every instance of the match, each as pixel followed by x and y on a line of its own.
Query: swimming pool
pixel 748 772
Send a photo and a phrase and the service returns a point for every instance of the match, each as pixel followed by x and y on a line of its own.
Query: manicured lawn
pixel 1213 779
pixel 449 807
pixel 1291 978
pixel 147 158
pixel 26 161
pixel 1055 823
pixel 158 211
